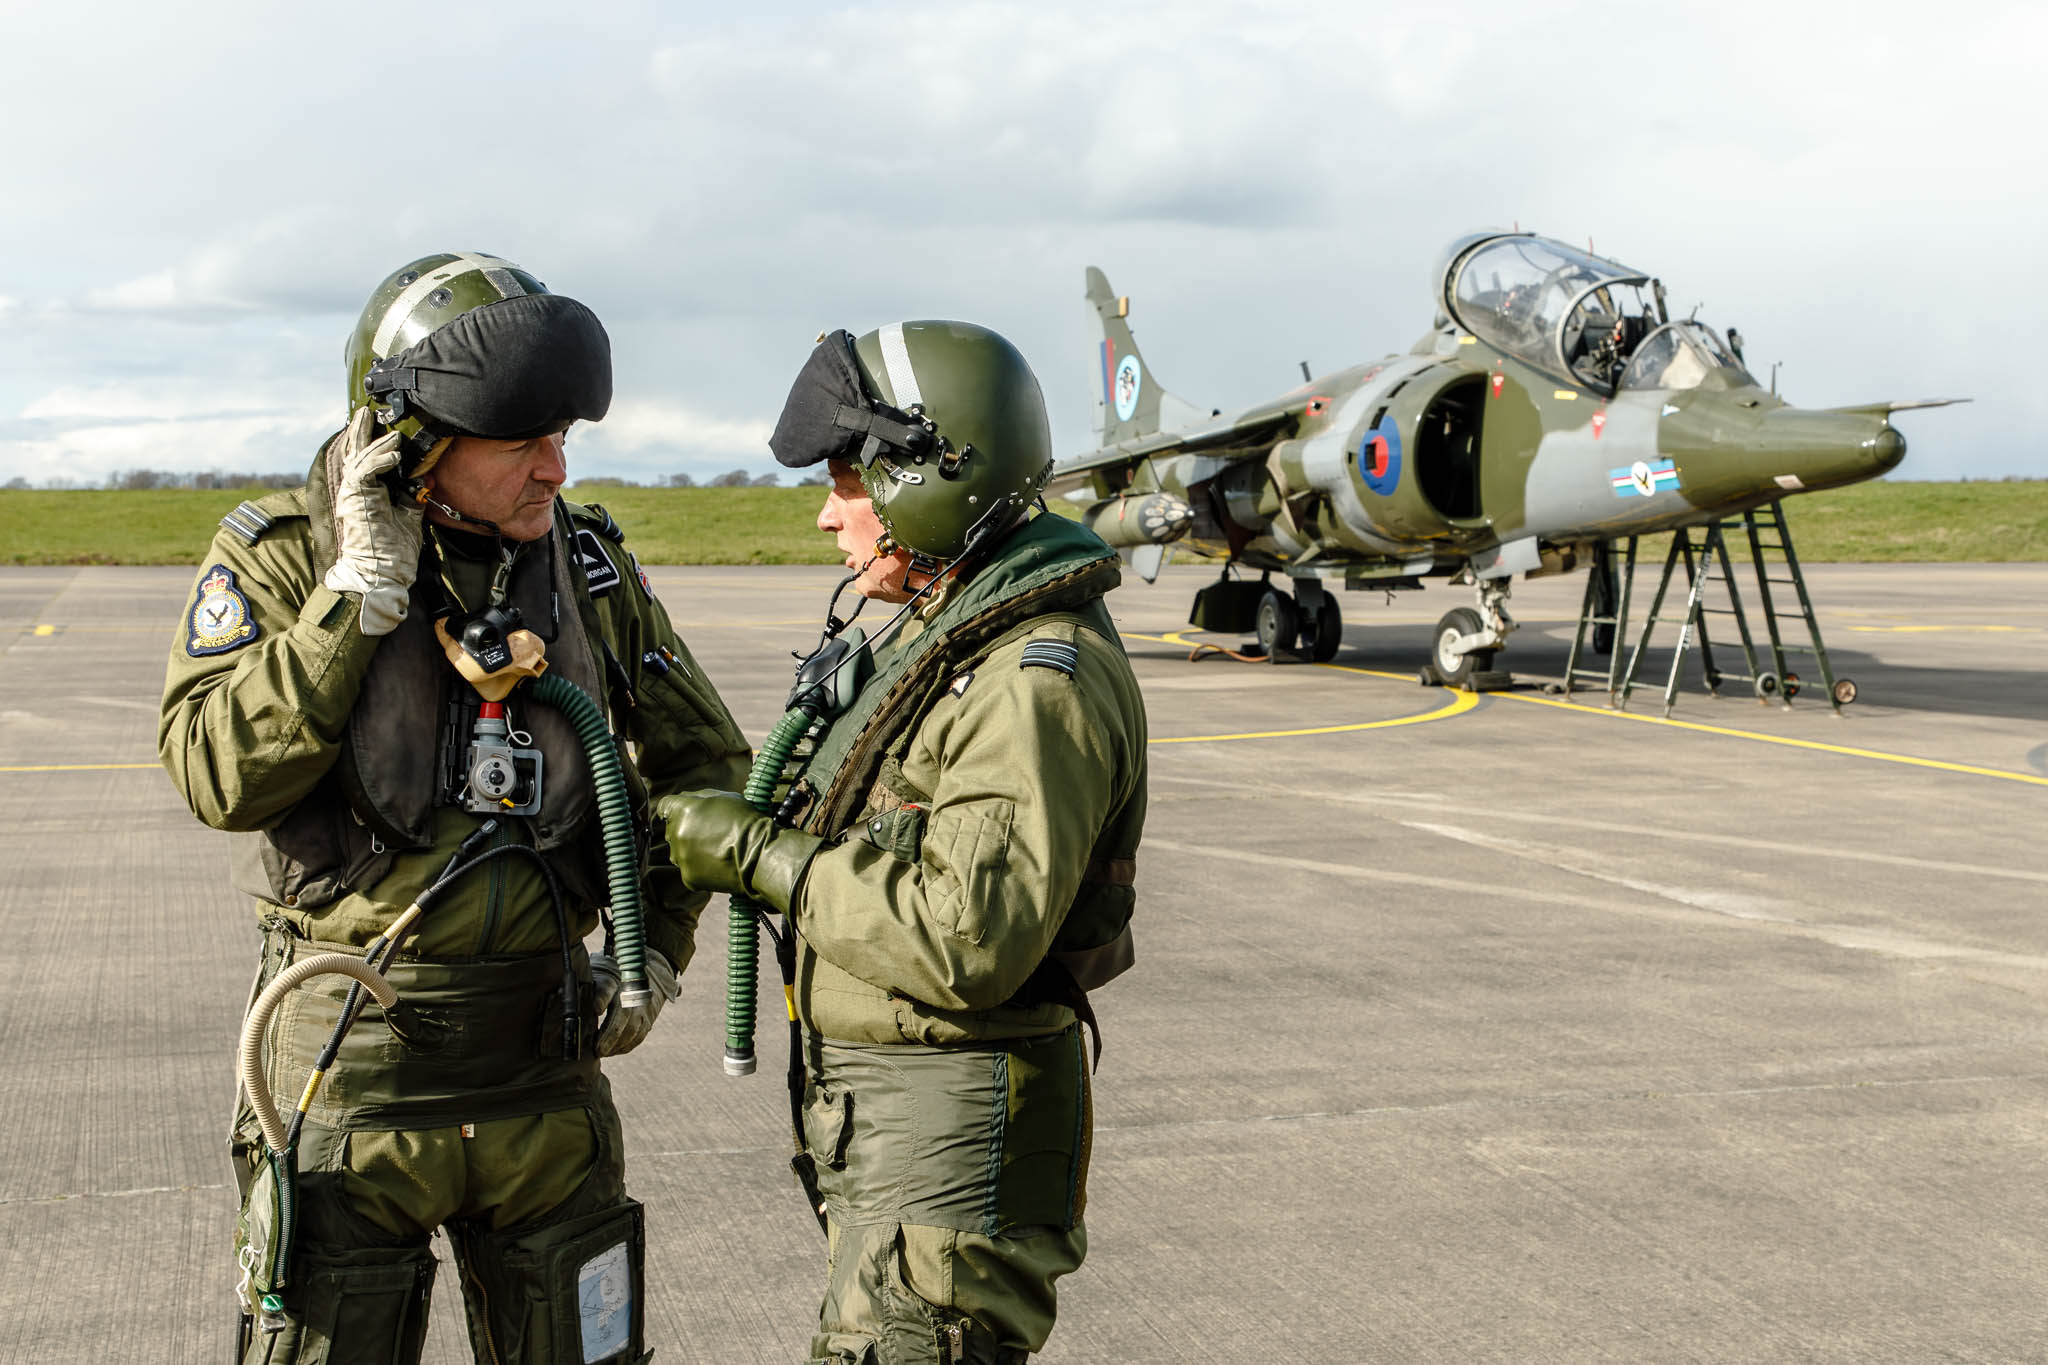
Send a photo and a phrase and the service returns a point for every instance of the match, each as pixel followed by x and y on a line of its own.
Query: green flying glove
pixel 721 843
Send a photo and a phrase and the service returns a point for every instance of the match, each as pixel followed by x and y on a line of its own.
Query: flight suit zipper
pixel 494 891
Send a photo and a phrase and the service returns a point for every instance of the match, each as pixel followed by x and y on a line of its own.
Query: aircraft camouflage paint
pixel 1554 404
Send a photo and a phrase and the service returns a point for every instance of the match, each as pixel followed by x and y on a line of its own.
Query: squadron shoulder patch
pixel 599 573
pixel 1054 654
pixel 220 619
pixel 646 587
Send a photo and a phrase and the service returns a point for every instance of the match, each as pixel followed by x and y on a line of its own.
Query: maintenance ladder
pixel 1703 550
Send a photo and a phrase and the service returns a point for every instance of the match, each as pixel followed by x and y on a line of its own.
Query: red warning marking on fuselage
pixel 1498 382
pixel 1599 422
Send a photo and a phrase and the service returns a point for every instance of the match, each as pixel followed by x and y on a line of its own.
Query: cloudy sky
pixel 197 198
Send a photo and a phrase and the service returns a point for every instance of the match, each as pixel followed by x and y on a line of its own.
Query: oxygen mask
pixel 492 649
pixel 829 680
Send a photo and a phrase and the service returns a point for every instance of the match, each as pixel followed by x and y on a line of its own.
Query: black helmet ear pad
pixel 512 370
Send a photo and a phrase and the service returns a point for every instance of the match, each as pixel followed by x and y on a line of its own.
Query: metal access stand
pixel 1703 550
pixel 1604 609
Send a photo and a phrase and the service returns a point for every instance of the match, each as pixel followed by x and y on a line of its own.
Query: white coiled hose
pixel 320 964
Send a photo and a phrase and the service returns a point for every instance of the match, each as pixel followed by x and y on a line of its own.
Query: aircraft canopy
pixel 1682 356
pixel 1550 305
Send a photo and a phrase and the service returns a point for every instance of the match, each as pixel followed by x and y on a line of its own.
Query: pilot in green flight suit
pixel 961 869
pixel 311 707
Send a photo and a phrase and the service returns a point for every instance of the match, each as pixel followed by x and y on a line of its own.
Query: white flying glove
pixel 378 540
pixel 625 1029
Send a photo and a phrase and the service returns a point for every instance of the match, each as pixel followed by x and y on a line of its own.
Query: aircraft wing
pixel 1255 430
pixel 1899 405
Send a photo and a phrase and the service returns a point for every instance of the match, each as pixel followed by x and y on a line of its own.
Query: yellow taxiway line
pixel 1928 630
pixel 1472 698
pixel 1460 702
pixel 1786 740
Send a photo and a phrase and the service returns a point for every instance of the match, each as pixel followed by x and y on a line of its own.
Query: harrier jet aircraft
pixel 1555 404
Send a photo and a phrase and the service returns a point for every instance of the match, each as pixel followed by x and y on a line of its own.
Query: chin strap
pixel 426 498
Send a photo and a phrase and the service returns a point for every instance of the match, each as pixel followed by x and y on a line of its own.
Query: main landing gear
pixel 1306 623
pixel 1305 626
pixel 1302 626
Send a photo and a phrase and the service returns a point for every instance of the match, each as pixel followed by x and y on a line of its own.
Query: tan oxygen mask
pixel 493 652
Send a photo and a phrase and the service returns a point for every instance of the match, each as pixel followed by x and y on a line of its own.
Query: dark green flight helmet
pixel 463 344
pixel 944 419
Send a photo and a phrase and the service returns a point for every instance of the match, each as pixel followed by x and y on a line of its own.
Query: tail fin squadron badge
pixel 1127 381
pixel 220 618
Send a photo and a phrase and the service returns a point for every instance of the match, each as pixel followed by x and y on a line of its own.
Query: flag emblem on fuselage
pixel 1644 478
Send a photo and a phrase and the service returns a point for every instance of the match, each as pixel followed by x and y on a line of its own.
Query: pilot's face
pixel 849 514
pixel 512 483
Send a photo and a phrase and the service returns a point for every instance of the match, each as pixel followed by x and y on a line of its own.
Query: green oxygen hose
pixel 742 928
pixel 615 816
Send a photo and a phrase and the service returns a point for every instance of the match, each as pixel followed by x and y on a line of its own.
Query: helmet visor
pixel 508 371
pixel 829 414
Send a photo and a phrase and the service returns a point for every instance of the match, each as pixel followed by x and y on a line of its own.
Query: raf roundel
pixel 220 618
pixel 1128 380
pixel 1379 457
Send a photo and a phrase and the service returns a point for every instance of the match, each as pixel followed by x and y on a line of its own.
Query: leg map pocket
pixel 362 1307
pixel 570 1293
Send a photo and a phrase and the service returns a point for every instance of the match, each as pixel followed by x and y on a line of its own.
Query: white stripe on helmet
pixel 896 359
pixel 495 270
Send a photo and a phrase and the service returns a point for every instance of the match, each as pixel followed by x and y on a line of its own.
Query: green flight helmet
pixel 521 362
pixel 992 450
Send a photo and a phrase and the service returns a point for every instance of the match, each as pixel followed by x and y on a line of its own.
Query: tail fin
pixel 1131 403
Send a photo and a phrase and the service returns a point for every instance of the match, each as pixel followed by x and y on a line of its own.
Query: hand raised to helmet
pixel 377 539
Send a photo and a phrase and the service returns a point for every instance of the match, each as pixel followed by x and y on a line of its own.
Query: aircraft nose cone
pixel 1887 448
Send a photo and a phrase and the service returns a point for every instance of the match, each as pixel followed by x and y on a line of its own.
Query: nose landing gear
pixel 1466 640
pixel 1453 662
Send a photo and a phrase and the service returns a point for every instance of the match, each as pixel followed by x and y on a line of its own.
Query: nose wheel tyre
pixel 1278 622
pixel 1452 666
pixel 1845 691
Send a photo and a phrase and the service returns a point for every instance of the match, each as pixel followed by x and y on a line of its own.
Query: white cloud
pixel 279 262
pixel 85 432
pixel 1270 185
pixel 169 399
pixel 88 454
pixel 642 426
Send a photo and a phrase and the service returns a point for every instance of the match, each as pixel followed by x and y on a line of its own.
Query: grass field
pixel 1872 523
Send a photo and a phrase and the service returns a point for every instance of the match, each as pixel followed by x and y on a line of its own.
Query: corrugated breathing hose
pixel 251 1053
pixel 615 815
pixel 742 937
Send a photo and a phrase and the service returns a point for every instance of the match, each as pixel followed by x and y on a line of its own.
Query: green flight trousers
pixel 954 1182
pixel 549 1248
